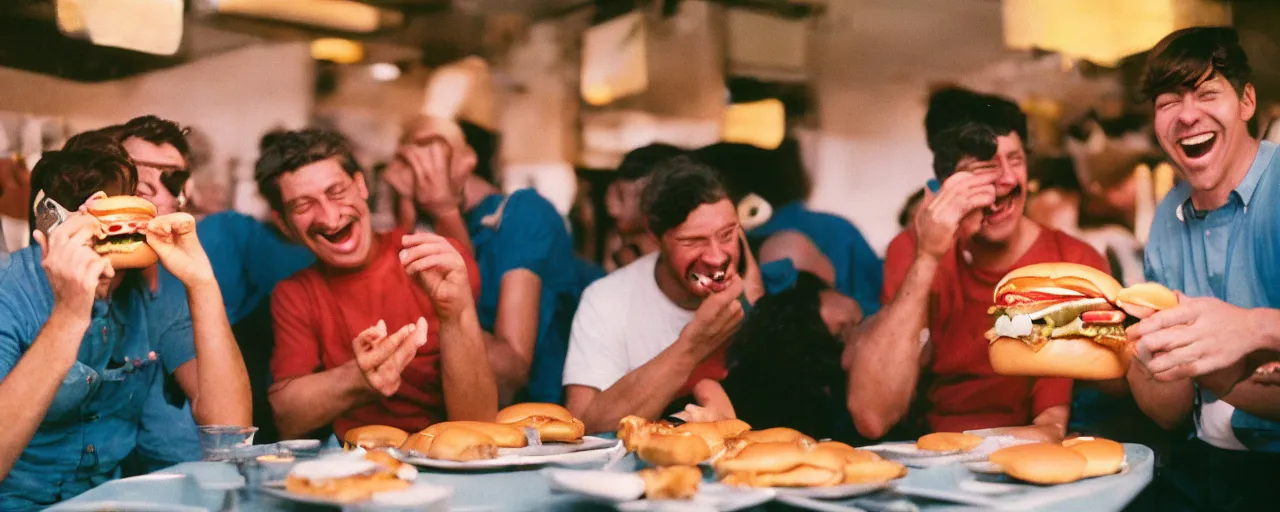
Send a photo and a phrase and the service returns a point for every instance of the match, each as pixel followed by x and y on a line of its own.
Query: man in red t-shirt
pixel 383 328
pixel 939 279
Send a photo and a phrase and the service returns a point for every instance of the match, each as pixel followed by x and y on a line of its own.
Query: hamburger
pixel 1041 463
pixel 1062 320
pixel 372 437
pixel 505 436
pixel 122 239
pixel 554 423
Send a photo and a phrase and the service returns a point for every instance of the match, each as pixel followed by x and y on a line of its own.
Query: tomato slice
pixel 1102 317
pixel 1012 298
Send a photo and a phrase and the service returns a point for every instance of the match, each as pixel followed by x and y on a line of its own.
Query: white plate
pixel 131 506
pixel 605 485
pixel 277 489
pixel 711 497
pixel 836 492
pixel 551 453
pixel 907 449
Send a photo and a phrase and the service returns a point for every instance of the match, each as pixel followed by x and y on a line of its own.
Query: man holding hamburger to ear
pixel 83 338
pixel 928 344
pixel 1214 238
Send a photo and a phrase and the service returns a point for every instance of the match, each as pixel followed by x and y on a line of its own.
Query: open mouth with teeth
pixel 1002 206
pixel 342 239
pixel 1197 146
pixel 701 279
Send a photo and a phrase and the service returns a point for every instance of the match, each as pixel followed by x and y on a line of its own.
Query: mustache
pixel 319 229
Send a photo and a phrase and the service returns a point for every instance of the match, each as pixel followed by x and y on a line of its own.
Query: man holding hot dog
pixel 1214 239
pixel 939 278
pixel 646 334
pixel 83 340
pixel 382 330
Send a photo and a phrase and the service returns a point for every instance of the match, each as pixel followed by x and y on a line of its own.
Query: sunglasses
pixel 172 178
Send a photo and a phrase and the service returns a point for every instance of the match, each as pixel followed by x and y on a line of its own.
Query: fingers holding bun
pixel 1145 299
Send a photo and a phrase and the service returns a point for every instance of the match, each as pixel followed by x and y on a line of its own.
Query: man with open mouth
pixel 1213 238
pixel 939 279
pixel 646 334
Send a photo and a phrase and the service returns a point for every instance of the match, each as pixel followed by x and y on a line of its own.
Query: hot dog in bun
pixel 122 239
pixel 1061 320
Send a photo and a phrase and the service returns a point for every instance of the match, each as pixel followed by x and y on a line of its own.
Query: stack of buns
pixel 462 441
pixel 1053 463
pixel 554 423
pixel 675 452
pixel 350 480
pixel 802 463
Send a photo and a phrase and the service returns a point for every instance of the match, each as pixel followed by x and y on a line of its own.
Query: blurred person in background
pixel 645 336
pixel 84 344
pixel 353 346
pixel 829 246
pixel 907 215
pixel 927 346
pixel 15 183
pixel 622 200
pixel 1214 239
pixel 531 280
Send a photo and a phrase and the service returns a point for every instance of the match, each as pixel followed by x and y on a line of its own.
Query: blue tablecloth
pixel 204 486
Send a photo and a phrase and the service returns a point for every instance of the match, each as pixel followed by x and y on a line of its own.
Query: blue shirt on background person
pixel 92 424
pixel 1230 253
pixel 529 233
pixel 859 271
pixel 248 259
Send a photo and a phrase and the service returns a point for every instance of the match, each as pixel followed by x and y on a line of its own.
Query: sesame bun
pixel 462 444
pixel 948 442
pixel 1144 299
pixel 1082 279
pixel 374 436
pixel 505 436
pixel 1041 463
pixel 1102 456
pixel 553 422
pixel 1076 358
pixel 682 449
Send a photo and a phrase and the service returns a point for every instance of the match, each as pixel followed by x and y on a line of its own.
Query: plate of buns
pixel 358 476
pixel 521 435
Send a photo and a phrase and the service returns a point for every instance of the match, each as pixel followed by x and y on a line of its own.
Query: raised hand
pixel 436 189
pixel 719 316
pixel 382 357
pixel 174 239
pixel 956 211
pixel 1203 338
pixel 440 270
pixel 74 270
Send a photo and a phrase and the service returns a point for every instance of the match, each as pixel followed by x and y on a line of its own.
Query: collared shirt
pixel 1229 253
pixel 92 423
pixel 248 259
pixel 524 231
pixel 859 271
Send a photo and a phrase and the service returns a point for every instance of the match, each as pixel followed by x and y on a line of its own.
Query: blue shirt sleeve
pixel 867 273
pixel 248 259
pixel 174 337
pixel 10 339
pixel 530 226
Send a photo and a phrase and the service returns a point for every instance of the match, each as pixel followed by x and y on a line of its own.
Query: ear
pixel 284 226
pixel 1248 102
pixel 361 187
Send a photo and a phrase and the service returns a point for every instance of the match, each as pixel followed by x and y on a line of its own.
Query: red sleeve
pixel 297 343
pixel 1048 392
pixel 897 261
pixel 473 270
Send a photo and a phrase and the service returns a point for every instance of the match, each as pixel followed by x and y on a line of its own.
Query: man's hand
pixel 174 239
pixel 440 271
pixel 716 319
pixel 382 358
pixel 430 166
pixel 73 268
pixel 954 212
pixel 1201 337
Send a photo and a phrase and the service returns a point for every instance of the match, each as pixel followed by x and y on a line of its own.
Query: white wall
pixel 232 98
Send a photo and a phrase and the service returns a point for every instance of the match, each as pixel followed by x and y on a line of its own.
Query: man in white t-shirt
pixel 645 334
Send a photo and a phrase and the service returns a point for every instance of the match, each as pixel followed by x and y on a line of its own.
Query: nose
pixel 1188 114
pixel 716 255
pixel 330 214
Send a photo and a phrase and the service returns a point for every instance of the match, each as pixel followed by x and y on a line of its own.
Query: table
pixel 195 486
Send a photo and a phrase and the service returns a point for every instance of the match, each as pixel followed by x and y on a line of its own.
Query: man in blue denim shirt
pixel 1215 239
pixel 81 343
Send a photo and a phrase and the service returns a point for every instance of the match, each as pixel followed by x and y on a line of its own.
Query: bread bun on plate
pixel 777 435
pixel 554 423
pixel 948 442
pixel 1041 463
pixel 462 444
pixel 1102 456
pixel 506 436
pixel 677 449
pixel 371 437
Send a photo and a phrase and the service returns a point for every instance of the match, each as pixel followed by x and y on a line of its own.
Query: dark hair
pixel 678 186
pixel 156 131
pixel 104 140
pixel 71 176
pixel 953 106
pixel 640 162
pixel 776 175
pixel 485 144
pixel 1053 173
pixel 904 215
pixel 955 143
pixel 1181 58
pixel 784 365
pixel 287 151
